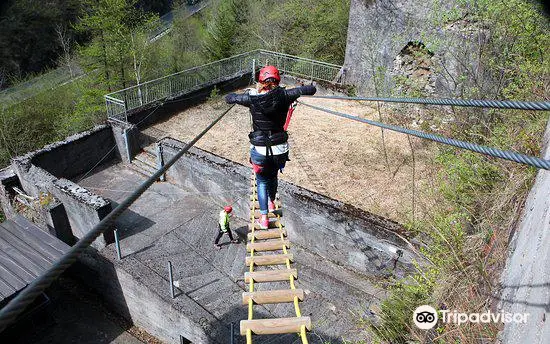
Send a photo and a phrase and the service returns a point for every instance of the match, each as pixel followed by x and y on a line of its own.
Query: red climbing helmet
pixel 269 72
pixel 228 209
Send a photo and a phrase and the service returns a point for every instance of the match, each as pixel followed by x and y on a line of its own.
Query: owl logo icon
pixel 425 317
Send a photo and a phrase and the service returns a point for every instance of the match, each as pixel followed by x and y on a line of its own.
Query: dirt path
pixel 340 158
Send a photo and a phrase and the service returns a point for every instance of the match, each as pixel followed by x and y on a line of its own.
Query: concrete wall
pixel 126 138
pixel 8 179
pixel 149 307
pixel 76 154
pixel 525 280
pixel 340 233
pixel 83 209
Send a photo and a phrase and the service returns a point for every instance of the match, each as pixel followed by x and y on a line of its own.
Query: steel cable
pixel 16 306
pixel 494 152
pixel 496 104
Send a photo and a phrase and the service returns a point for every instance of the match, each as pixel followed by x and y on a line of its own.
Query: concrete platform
pixel 169 223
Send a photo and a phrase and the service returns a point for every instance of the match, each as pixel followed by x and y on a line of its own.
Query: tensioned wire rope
pixel 490 151
pixel 16 306
pixel 495 104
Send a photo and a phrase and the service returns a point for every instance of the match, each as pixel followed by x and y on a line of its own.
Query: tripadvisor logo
pixel 425 317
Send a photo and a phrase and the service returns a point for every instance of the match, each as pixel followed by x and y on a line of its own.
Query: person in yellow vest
pixel 223 225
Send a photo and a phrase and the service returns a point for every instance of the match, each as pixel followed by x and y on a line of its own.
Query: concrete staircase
pixel 145 162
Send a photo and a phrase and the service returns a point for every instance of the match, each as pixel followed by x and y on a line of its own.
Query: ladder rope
pixel 302 332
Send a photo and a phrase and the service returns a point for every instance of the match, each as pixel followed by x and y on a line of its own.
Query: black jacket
pixel 269 112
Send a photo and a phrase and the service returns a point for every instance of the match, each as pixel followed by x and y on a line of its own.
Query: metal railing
pixel 302 67
pixel 119 103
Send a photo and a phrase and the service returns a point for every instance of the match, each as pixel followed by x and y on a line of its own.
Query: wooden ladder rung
pixel 272 224
pixel 273 296
pixel 269 259
pixel 275 326
pixel 270 275
pixel 267 233
pixel 273 245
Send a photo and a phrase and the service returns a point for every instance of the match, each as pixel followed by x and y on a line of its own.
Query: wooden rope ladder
pixel 298 324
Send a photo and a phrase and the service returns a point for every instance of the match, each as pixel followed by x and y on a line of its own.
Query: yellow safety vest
pixel 224 221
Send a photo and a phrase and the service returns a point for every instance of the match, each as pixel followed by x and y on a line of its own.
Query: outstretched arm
pixel 241 99
pixel 295 93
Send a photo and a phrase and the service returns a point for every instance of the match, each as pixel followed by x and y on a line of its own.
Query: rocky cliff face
pixel 412 47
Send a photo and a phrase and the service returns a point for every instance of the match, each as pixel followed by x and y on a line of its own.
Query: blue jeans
pixel 266 179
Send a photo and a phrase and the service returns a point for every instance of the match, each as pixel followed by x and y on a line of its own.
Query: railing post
pixel 160 161
pixel 254 70
pixel 171 278
pixel 125 106
pixel 127 144
pixel 140 95
pixel 117 245
pixel 109 112
pixel 232 334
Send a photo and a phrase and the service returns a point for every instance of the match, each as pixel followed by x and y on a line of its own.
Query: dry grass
pixel 338 157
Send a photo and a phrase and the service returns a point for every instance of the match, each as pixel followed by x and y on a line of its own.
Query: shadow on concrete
pixel 508 288
pixel 241 232
pixel 141 250
pixel 74 314
pixel 103 165
pixel 97 272
pixel 200 287
pixel 130 223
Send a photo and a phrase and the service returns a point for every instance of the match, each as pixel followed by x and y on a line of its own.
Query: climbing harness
pixel 289 115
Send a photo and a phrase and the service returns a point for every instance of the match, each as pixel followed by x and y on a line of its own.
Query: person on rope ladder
pixel 223 226
pixel 269 105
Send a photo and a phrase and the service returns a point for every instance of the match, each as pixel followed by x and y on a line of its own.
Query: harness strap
pixel 289 114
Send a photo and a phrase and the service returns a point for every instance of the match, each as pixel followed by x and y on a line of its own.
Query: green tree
pixel 221 29
pixel 28 39
pixel 112 25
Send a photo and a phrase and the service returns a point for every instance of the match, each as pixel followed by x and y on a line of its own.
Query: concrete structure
pixel 178 224
pixel 340 251
pixel 525 281
pixel 338 232
pixel 43 172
